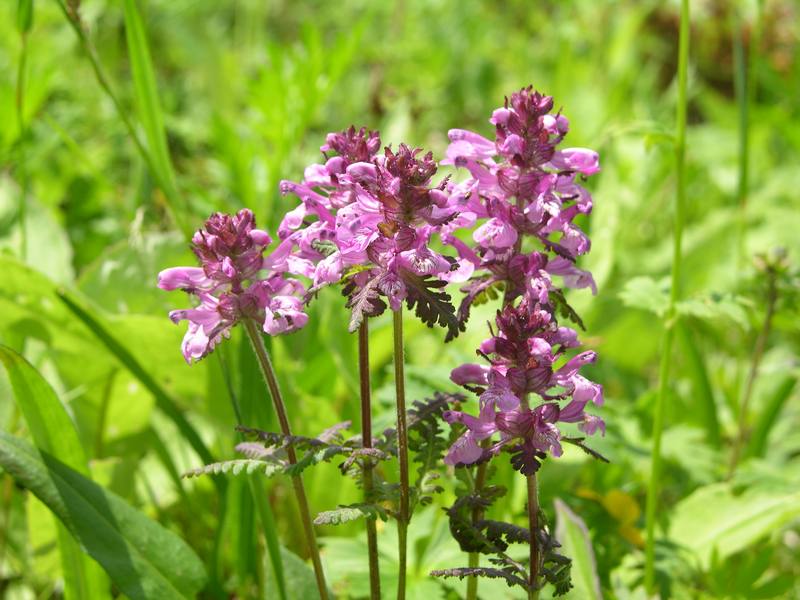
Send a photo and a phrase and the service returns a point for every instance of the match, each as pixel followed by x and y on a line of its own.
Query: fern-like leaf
pixel 430 303
pixel 236 467
pixel 510 578
pixel 363 301
pixel 351 512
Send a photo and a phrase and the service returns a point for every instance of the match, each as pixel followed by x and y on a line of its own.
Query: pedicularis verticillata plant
pixel 368 221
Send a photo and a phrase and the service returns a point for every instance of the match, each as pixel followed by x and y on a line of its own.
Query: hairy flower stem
pixel 402 450
pixel 758 353
pixel 366 437
pixel 671 315
pixel 271 380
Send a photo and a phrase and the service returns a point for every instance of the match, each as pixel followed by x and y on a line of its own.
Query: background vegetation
pixel 245 92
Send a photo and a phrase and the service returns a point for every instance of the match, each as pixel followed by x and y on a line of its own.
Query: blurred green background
pixel 247 90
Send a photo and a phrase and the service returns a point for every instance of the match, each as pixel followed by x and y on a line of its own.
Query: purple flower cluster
pixel 235 281
pixel 521 186
pixel 368 219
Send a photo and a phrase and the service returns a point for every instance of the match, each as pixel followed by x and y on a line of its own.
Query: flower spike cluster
pixel 235 281
pixel 367 219
pixel 522 186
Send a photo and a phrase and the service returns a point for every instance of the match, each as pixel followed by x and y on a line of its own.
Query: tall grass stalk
pixel 174 202
pixel 671 317
pixel 741 76
pixel 265 364
pixel 24 25
pixel 366 437
pixel 402 452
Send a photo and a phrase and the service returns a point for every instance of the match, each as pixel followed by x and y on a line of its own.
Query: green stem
pixel 366 437
pixel 271 380
pixel 757 355
pixel 671 316
pixel 402 451
pixel 23 174
pixel 173 197
pixel 740 80
pixel 533 525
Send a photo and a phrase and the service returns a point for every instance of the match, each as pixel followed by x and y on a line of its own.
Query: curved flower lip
pixel 582 160
pixel 470 373
pixel 184 278
pixel 573 276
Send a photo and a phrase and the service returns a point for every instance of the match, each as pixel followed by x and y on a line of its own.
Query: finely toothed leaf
pixel 143 559
pixel 591 452
pixel 254 450
pixel 278 440
pixel 236 467
pixel 526 459
pixel 477 291
pixel 426 441
pixel 430 303
pixel 489 572
pixel 563 308
pixel 324 247
pixel 362 456
pixel 351 512
pixel 312 458
pixel 363 301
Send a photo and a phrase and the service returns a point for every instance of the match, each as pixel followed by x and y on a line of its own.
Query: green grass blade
pixel 769 417
pixel 146 92
pixel 701 385
pixel 163 401
pixel 270 530
pixel 143 559
pixel 245 408
pixel 72 14
pixel 572 534
pixel 53 431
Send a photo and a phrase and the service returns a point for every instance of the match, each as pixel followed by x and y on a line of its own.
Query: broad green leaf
pixel 572 534
pixel 53 432
pixel 144 560
pixel 647 294
pixel 713 520
pixel 715 307
pixel 51 427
